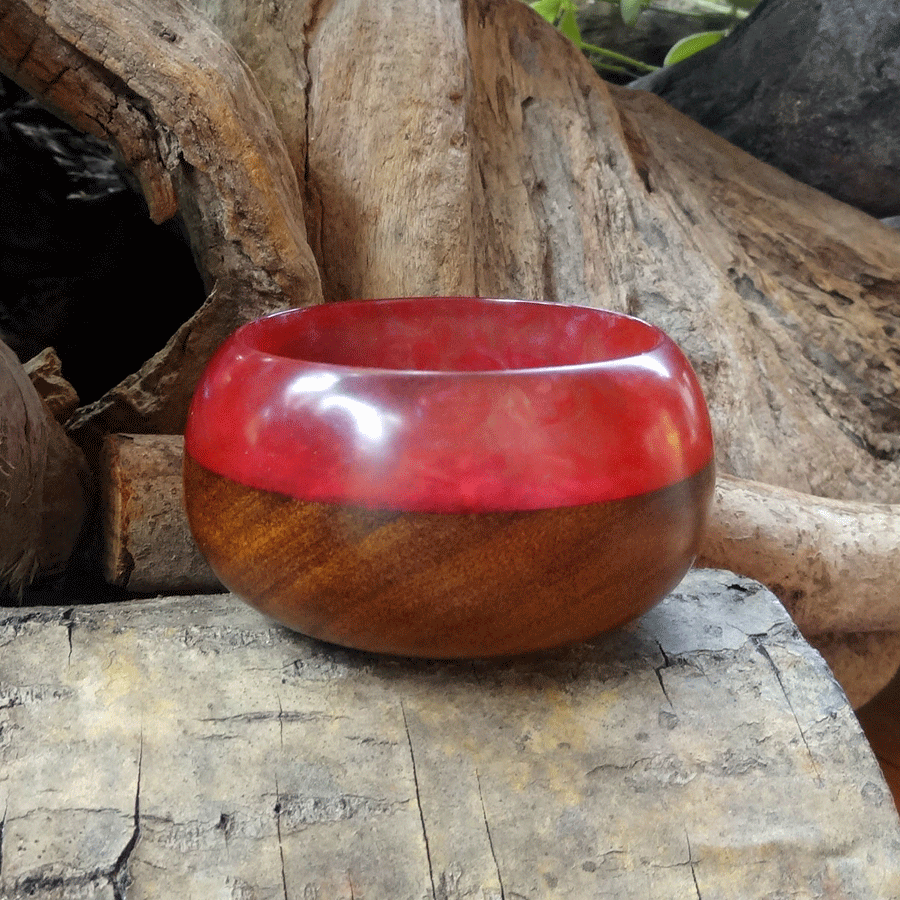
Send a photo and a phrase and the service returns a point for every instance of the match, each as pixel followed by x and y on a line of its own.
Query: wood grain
pixel 443 584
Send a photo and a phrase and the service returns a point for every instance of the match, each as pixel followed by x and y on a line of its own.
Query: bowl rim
pixel 242 337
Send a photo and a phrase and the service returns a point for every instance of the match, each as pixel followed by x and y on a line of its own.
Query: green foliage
pixel 630 10
pixel 562 14
pixel 692 44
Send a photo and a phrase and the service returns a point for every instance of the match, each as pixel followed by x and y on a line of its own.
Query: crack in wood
pixel 667 662
pixel 70 627
pixel 2 827
pixel 487 829
pixel 693 864
pixel 412 758
pixel 761 648
pixel 280 843
pixel 119 877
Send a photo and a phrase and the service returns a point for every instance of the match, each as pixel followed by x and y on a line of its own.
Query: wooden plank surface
pixel 187 747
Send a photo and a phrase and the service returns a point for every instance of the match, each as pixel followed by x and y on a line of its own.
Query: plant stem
pixel 618 57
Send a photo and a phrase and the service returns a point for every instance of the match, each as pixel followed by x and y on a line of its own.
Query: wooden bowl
pixel 449 477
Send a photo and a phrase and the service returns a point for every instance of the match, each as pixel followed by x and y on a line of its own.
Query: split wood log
pixel 44 483
pixel 809 551
pixel 191 748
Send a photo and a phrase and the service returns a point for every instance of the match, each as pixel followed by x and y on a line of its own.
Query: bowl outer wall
pixel 449 441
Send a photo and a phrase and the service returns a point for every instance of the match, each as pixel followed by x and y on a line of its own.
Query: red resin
pixel 450 405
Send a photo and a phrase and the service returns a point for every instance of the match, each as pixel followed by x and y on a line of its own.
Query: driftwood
pixel 44 483
pixel 190 748
pixel 45 372
pixel 476 151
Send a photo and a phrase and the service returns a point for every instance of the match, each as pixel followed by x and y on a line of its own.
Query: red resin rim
pixel 472 405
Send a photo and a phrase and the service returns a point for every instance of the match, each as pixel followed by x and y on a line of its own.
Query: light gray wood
pixel 187 747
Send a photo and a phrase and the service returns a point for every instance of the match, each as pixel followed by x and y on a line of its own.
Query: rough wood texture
pixel 478 152
pixel 832 563
pixel 45 372
pixel 191 749
pixel 447 584
pixel 147 544
pixel 190 121
pixel 43 483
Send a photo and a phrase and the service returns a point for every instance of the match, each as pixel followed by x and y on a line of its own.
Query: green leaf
pixel 692 44
pixel 630 10
pixel 547 9
pixel 568 25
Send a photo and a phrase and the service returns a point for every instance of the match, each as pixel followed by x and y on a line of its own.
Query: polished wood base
pixel 447 585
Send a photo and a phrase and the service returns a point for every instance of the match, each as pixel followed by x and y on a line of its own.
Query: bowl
pixel 449 477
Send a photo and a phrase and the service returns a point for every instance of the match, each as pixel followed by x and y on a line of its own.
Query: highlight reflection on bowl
pixel 449 477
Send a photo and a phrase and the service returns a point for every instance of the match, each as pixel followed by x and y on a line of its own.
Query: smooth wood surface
pixel 447 584
pixel 189 748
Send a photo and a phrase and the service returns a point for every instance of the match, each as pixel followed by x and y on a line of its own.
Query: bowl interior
pixel 444 334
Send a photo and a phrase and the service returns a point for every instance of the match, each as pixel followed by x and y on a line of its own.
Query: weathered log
pixel 190 748
pixel 478 152
pixel 189 120
pixel 147 542
pixel 833 563
pixel 44 483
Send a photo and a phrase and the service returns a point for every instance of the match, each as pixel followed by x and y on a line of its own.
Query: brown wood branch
pixel 833 563
pixel 188 118
pixel 44 483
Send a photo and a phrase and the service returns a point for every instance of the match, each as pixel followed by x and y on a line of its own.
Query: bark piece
pixel 45 372
pixel 705 751
pixel 148 546
pixel 43 483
